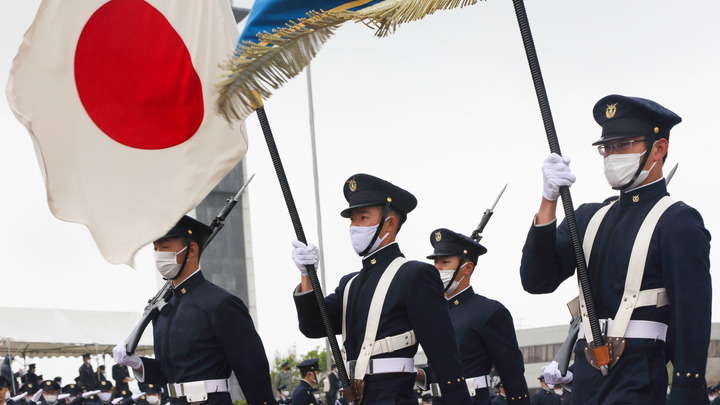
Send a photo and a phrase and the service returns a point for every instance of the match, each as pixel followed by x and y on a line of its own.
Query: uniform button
pixel 458 380
pixel 449 382
pixel 688 375
pixel 697 375
pixel 678 374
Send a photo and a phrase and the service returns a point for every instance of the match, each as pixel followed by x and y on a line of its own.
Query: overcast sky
pixel 444 108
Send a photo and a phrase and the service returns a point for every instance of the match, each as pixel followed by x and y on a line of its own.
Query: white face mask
pixel 152 399
pixel 105 396
pixel 7 395
pixel 50 399
pixel 447 276
pixel 620 169
pixel 360 236
pixel 166 263
pixel 286 393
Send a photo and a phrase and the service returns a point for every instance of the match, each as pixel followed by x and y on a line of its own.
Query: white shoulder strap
pixel 373 320
pixel 346 293
pixel 588 240
pixel 636 267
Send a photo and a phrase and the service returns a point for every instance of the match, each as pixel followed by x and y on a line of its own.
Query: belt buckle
pixel 351 366
pixel 435 390
pixel 171 390
pixel 370 367
pixel 195 391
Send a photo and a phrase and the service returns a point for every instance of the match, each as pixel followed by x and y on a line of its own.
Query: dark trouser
pixel 390 389
pixel 214 398
pixel 640 377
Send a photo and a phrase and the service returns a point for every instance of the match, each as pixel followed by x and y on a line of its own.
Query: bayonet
pixel 486 217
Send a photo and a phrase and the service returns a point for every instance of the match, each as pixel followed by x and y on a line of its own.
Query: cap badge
pixel 438 236
pixel 352 184
pixel 611 110
pixel 457 302
pixel 183 291
pixel 373 261
pixel 636 198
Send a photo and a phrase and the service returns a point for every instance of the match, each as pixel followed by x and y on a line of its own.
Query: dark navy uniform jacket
pixel 88 378
pixel 303 394
pixel 678 260
pixel 208 334
pixel 119 373
pixel 486 335
pixel 414 301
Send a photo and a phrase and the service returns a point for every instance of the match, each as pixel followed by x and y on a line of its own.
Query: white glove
pixel 36 398
pixel 556 173
pixel 116 400
pixel 63 396
pixel 552 374
pixel 90 393
pixel 303 255
pixel 121 357
pixel 137 396
pixel 19 397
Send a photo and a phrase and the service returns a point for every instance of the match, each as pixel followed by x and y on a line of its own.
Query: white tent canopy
pixel 49 332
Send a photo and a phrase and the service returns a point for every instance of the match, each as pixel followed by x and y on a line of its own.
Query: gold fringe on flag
pixel 281 55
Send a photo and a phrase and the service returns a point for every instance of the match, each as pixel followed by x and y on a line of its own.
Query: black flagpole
pixel 300 235
pixel 598 340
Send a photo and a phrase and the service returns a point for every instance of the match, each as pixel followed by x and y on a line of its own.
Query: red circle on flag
pixel 135 77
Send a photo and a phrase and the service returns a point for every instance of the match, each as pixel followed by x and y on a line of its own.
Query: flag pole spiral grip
pixel 598 340
pixel 300 234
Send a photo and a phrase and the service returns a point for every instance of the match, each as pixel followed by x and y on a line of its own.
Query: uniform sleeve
pixel 498 335
pixel 430 319
pixel 685 249
pixel 152 373
pixel 234 329
pixel 308 311
pixel 547 259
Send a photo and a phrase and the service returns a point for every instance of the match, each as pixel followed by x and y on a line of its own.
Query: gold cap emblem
pixel 656 130
pixel 636 198
pixel 438 236
pixel 352 184
pixel 373 261
pixel 611 110
pixel 183 291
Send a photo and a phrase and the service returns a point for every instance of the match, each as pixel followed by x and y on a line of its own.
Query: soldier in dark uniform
pixel 103 394
pixel 73 391
pixel 153 394
pixel 483 327
pixel 206 335
pixel 25 393
pixel 50 392
pixel 4 390
pixel 284 395
pixel 86 373
pixel 121 376
pixel 303 394
pixel 31 377
pixel 501 397
pixel 545 396
pixel 414 309
pixel 334 383
pixel 674 274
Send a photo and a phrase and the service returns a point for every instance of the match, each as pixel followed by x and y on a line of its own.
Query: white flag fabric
pixel 118 97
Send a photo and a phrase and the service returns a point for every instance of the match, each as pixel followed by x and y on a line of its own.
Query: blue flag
pixel 282 36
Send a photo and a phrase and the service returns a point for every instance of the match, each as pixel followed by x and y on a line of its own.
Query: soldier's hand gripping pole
pixel 485 218
pixel 158 303
pixel 600 348
pixel 300 235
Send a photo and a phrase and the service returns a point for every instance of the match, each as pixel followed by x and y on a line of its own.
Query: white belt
pixel 636 329
pixel 384 366
pixel 473 384
pixel 196 391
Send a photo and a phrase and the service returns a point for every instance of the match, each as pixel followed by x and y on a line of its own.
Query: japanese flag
pixel 118 97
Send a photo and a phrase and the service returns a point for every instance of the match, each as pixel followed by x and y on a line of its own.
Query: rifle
pixel 485 218
pixel 159 303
